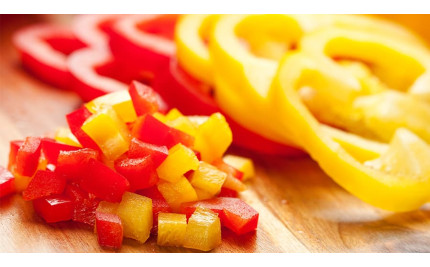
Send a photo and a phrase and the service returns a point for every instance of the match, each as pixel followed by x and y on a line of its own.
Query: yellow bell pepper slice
pixel 391 191
pixel 65 136
pixel 203 230
pixel 120 101
pixel 180 160
pixel 208 178
pixel 108 132
pixel 172 228
pixel 177 193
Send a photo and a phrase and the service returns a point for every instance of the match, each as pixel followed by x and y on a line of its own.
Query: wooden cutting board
pixel 301 209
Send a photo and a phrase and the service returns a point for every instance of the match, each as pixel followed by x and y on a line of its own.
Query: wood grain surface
pixel 301 209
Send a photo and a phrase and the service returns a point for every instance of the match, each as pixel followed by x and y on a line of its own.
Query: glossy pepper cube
pixel 177 193
pixel 109 230
pixel 103 182
pixel 75 120
pixel 113 140
pixel 43 184
pixel 144 98
pixel 179 161
pixel 139 149
pixel 213 138
pixel 172 228
pixel 72 163
pixel 14 147
pixel 7 182
pixel 54 208
pixel 51 149
pixel 135 212
pixel 203 230
pixel 84 204
pixel 242 164
pixel 120 101
pixel 27 157
pixel 208 178
pixel 140 172
pixel 180 122
pixel 234 213
pixel 65 136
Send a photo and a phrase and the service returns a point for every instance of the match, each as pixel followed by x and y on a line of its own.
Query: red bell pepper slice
pixel 143 97
pixel 103 182
pixel 84 204
pixel 92 29
pixel 54 208
pixel 144 42
pixel 44 49
pixel 14 147
pixel 158 205
pixel 139 149
pixel 7 182
pixel 149 129
pixel 75 120
pixel 234 213
pixel 71 163
pixel 140 172
pixel 51 149
pixel 227 192
pixel 27 157
pixel 43 184
pixel 109 230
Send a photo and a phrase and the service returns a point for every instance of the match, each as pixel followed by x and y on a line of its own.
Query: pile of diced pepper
pixel 129 168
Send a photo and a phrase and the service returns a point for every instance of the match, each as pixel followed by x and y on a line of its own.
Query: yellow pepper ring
pixel 396 192
pixel 191 49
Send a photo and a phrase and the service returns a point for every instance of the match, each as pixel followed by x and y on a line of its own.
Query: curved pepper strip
pixel 377 111
pixel 44 49
pixel 394 191
pixel 144 42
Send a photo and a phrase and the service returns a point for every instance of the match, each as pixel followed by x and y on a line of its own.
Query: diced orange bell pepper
pixel 114 140
pixel 171 229
pixel 213 138
pixel 208 178
pixel 180 160
pixel 203 230
pixel 135 212
pixel 177 193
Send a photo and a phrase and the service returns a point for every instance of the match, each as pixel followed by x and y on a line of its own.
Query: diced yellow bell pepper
pixel 180 160
pixel 177 193
pixel 173 114
pixel 65 136
pixel 208 178
pixel 159 116
pixel 203 230
pixel 242 164
pixel 109 133
pixel 135 212
pixel 120 101
pixel 171 229
pixel 202 194
pixel 213 138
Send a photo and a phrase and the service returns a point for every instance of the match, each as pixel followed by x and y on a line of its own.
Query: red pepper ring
pixel 44 49
pixel 93 29
pixel 144 42
pixel 191 97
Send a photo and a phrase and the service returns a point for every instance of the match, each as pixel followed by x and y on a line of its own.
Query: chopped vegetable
pixel 109 230
pixel 7 182
pixel 172 228
pixel 54 208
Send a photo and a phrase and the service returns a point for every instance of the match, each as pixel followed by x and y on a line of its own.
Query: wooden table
pixel 301 209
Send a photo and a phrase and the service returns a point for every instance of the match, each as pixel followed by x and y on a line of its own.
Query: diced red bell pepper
pixel 144 42
pixel 7 185
pixel 158 205
pixel 103 182
pixel 72 163
pixel 51 149
pixel 75 120
pixel 150 130
pixel 151 192
pixel 222 166
pixel 140 172
pixel 234 213
pixel 192 97
pixel 143 97
pixel 227 192
pixel 28 155
pixel 44 49
pixel 14 147
pixel 92 29
pixel 139 149
pixel 84 204
pixel 43 184
pixel 109 230
pixel 54 208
